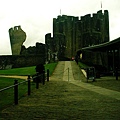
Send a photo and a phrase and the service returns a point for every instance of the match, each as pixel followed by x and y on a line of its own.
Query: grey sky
pixel 36 17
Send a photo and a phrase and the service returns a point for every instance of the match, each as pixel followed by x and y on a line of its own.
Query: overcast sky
pixel 36 17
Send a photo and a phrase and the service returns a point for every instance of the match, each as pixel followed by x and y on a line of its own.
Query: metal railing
pixel 68 73
pixel 69 76
pixel 29 79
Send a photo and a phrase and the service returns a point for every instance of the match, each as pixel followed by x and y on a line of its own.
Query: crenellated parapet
pixel 17 38
pixel 94 28
pixel 74 32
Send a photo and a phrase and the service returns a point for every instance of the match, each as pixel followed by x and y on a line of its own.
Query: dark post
pixel 113 62
pixel 47 74
pixel 90 73
pixel 87 71
pixel 43 78
pixel 37 81
pixel 93 74
pixel 116 73
pixel 29 86
pixel 40 69
pixel 16 92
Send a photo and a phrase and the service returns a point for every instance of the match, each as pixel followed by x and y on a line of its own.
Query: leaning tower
pixel 17 38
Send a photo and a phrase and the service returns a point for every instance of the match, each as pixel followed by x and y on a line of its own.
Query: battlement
pixel 87 30
pixel 15 28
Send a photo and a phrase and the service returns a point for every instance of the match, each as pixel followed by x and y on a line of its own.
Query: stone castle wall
pixel 87 31
pixel 17 38
pixel 79 32
pixel 17 61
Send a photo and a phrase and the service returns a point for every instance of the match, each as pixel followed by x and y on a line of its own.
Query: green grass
pixel 60 100
pixel 27 70
pixel 51 67
pixel 19 71
pixel 6 97
pixel 82 65
pixel 63 100
pixel 107 82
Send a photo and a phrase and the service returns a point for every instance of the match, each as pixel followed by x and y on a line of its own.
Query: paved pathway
pixel 70 72
pixel 75 77
pixel 68 75
pixel 59 100
pixel 58 72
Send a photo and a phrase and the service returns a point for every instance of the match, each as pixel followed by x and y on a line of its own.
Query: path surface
pixel 68 74
pixel 66 98
pixel 69 71
pixel 74 75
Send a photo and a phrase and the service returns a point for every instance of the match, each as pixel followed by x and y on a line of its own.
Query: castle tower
pixel 17 37
pixel 64 25
pixel 90 30
pixel 95 29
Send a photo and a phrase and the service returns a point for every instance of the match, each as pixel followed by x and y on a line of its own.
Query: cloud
pixel 36 17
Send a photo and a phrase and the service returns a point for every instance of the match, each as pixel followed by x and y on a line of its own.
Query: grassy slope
pixel 108 82
pixel 59 100
pixel 27 70
pixel 4 82
pixel 6 97
pixel 82 65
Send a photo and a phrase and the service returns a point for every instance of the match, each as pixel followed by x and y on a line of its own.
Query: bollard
pixel 37 81
pixel 29 86
pixel 47 74
pixel 43 78
pixel 16 92
pixel 116 73
pixel 68 74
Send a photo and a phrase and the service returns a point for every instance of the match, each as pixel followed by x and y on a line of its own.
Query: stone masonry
pixel 17 38
pixel 88 30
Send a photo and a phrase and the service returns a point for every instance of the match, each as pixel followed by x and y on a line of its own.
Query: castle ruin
pixel 71 33
pixel 17 38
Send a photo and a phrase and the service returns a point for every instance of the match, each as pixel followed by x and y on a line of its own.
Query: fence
pixel 71 75
pixel 44 77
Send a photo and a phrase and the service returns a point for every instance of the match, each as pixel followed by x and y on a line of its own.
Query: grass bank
pixel 82 65
pixel 6 97
pixel 108 82
pixel 27 70
pixel 60 100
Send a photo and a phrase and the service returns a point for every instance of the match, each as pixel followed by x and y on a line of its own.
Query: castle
pixel 17 38
pixel 22 56
pixel 71 33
